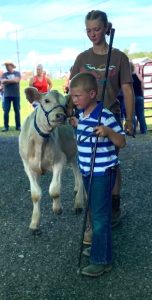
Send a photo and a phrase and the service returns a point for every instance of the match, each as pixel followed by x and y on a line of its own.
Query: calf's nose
pixel 60 117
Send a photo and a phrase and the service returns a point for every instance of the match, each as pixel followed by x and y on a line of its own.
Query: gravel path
pixel 44 267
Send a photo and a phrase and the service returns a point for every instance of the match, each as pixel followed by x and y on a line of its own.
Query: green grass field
pixel 26 107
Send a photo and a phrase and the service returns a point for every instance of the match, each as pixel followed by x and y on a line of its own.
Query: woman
pixel 41 82
pixel 93 61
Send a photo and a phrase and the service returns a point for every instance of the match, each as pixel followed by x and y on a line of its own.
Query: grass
pixel 26 108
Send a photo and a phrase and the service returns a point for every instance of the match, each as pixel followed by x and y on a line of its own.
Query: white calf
pixel 47 145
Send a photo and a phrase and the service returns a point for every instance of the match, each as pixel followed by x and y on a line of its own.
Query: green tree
pixel 138 54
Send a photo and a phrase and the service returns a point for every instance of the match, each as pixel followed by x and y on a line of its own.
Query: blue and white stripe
pixel 105 154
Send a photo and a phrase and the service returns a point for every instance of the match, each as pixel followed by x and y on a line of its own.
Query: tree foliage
pixel 138 54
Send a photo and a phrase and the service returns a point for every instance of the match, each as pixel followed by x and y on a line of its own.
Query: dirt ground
pixel 44 267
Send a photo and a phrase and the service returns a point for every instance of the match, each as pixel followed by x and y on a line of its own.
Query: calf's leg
pixel 55 186
pixel 35 195
pixel 78 188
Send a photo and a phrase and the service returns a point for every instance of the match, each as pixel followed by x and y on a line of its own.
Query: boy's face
pixel 81 98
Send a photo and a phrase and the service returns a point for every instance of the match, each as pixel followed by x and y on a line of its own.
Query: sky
pixel 53 32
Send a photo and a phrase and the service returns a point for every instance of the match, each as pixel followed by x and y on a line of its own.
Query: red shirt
pixel 42 86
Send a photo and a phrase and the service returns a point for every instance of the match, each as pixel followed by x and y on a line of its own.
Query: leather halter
pixel 42 134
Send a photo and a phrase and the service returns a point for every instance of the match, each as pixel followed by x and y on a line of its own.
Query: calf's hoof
pixel 36 232
pixel 57 211
pixel 34 226
pixel 78 211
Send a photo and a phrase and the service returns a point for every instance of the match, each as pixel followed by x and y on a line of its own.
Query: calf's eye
pixel 47 100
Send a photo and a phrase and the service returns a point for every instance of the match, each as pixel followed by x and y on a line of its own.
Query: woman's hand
pixel 128 127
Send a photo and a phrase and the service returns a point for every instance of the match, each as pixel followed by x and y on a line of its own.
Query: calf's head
pixel 51 103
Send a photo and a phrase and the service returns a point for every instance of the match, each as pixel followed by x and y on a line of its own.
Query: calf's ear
pixel 68 100
pixel 32 94
pixel 62 99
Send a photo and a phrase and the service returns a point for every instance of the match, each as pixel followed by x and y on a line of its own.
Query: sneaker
pixel 116 217
pixel 18 128
pixel 86 252
pixel 96 270
pixel 5 129
pixel 87 236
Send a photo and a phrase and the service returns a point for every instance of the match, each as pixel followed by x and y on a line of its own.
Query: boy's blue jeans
pixel 100 206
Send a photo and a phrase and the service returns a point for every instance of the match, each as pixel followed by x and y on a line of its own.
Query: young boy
pixel 83 90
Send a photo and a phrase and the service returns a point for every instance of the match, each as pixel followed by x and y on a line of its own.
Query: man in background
pixel 10 81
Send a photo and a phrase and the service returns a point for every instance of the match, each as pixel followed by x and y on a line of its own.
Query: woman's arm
pixel 129 101
pixel 49 83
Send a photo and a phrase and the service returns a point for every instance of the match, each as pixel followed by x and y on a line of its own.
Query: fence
pixel 145 73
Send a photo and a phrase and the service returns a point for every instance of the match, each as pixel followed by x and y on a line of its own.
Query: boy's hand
pixel 101 131
pixel 73 121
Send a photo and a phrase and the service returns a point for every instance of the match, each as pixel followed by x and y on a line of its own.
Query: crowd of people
pixel 10 90
pixel 43 83
pixel 93 61
pixel 85 89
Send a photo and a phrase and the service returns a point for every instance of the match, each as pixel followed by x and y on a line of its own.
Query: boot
pixel 88 232
pixel 88 235
pixel 116 212
pixel 96 270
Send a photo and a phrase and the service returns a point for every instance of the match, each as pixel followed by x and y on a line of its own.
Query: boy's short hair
pixel 86 80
